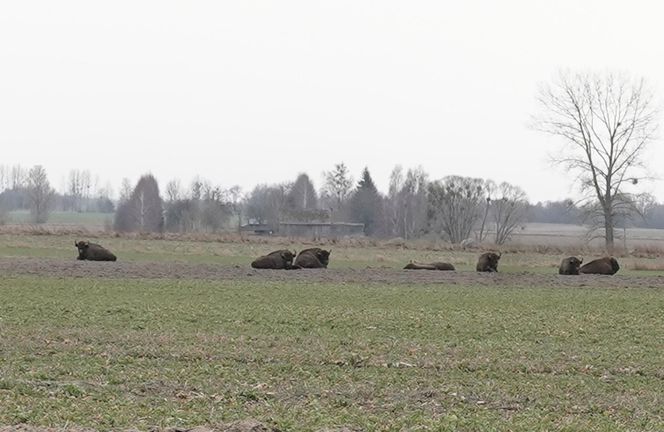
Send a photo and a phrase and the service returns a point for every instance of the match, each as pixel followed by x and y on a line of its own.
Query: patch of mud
pixel 59 268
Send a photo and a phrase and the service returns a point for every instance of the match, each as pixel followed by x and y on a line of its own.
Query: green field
pixel 82 219
pixel 120 354
pixel 298 356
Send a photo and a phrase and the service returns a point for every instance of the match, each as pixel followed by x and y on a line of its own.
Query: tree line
pixel 454 208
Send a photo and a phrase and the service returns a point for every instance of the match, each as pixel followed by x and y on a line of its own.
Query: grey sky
pixel 246 92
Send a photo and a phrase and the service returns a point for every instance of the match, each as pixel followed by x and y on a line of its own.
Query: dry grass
pixel 546 246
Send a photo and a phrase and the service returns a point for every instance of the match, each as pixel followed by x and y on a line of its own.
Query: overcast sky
pixel 247 92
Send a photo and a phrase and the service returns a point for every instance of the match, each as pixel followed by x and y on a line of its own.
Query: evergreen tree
pixel 366 205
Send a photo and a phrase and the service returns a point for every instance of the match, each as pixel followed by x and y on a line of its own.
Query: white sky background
pixel 247 92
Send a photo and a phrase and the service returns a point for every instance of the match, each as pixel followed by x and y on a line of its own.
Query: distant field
pixel 532 234
pixel 86 220
pixel 577 236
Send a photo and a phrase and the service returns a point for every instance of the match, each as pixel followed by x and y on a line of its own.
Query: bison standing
pixel 603 266
pixel 488 262
pixel 93 252
pixel 570 266
pixel 278 260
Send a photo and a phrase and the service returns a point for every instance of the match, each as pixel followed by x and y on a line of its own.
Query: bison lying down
pixel 570 266
pixel 312 258
pixel 488 262
pixel 93 252
pixel 429 266
pixel 278 260
pixel 603 266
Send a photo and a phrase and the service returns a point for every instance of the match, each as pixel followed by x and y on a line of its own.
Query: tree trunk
pixel 608 230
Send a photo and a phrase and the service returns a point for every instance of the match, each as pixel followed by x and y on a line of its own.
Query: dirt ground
pixel 60 268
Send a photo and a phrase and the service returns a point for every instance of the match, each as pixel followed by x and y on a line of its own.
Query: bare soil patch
pixel 60 268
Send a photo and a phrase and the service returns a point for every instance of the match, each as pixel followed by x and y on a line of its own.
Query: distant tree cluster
pixel 203 208
pixel 23 189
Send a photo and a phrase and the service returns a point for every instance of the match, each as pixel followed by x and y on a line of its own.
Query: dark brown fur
pixel 278 260
pixel 312 258
pixel 604 266
pixel 488 262
pixel 570 266
pixel 429 266
pixel 93 252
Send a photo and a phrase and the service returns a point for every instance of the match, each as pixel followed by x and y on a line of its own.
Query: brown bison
pixel 312 258
pixel 278 260
pixel 93 252
pixel 429 266
pixel 488 262
pixel 603 266
pixel 570 266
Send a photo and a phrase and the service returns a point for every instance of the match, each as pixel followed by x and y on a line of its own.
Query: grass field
pixel 297 356
pixel 83 219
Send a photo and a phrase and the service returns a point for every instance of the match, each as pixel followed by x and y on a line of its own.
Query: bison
pixel 278 260
pixel 312 258
pixel 429 266
pixel 93 252
pixel 570 266
pixel 488 262
pixel 603 266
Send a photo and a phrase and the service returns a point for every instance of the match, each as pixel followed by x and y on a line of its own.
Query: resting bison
pixel 429 266
pixel 312 258
pixel 277 260
pixel 488 262
pixel 570 266
pixel 604 266
pixel 93 252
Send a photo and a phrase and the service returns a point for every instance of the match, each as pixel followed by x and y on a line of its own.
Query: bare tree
pixel 125 190
pixel 17 177
pixel 4 177
pixel 338 185
pixel 40 194
pixel 407 202
pixel 173 190
pixel 78 187
pixel 509 209
pixel 606 121
pixel 455 205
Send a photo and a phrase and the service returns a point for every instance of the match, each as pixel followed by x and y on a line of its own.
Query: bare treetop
pixel 607 120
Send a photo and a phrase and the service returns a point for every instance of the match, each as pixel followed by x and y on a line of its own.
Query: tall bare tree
pixel 40 194
pixel 606 120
